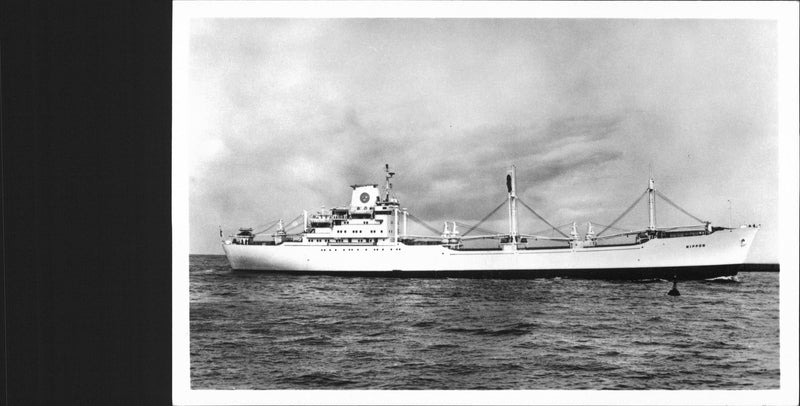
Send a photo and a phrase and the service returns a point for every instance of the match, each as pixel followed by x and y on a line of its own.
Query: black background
pixel 86 133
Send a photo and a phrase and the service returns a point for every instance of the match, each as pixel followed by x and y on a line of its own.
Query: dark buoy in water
pixel 674 290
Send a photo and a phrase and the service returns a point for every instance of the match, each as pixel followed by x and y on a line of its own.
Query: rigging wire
pixel 678 207
pixel 292 221
pixel 623 213
pixel 612 228
pixel 485 218
pixel 483 230
pixel 550 229
pixel 542 218
pixel 271 224
pixel 422 223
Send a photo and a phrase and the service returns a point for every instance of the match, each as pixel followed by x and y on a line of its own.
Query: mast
pixel 651 192
pixel 388 187
pixel 511 183
pixel 405 223
pixel 590 235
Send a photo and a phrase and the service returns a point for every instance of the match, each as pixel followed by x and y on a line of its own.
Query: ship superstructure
pixel 369 237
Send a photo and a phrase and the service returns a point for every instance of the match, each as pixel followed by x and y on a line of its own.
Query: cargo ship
pixel 369 237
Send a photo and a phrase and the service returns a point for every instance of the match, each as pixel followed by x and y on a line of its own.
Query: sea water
pixel 273 331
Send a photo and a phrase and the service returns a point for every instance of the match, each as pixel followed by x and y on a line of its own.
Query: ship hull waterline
pixel 719 254
pixel 665 273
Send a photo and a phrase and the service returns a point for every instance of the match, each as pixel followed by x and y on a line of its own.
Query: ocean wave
pixel 333 333
pixel 317 380
pixel 441 346
pixel 512 331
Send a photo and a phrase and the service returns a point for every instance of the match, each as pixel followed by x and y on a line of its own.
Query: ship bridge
pixel 369 219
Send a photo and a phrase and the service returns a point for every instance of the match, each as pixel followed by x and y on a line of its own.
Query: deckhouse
pixel 370 219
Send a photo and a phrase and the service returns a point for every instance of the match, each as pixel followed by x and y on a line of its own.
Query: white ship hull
pixel 720 253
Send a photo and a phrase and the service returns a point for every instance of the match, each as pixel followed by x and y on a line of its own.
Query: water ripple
pixel 271 331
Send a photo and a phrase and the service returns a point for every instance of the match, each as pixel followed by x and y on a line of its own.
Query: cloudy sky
pixel 287 113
